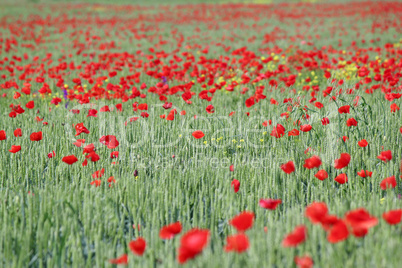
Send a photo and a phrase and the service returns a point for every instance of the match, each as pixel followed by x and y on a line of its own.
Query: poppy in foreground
pixel 192 243
pixel 316 212
pixel 198 134
pixel 235 185
pixel 385 156
pixel 393 217
pixel 296 237
pixel 389 182
pixel 321 175
pixel 36 136
pixel 169 231
pixel 110 141
pixel 70 159
pixel 270 204
pixel 243 221
pixel 304 262
pixel 341 178
pixel 312 162
pixel 15 148
pixel 338 232
pixel 288 167
pixel 237 242
pixel 123 259
pixel 138 246
pixel 360 221
pixel 3 135
pixel 343 161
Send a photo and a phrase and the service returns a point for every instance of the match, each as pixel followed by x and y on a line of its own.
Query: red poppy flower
pixel 70 159
pixel 92 112
pixel 123 259
pixel 360 221
pixel 198 134
pixel 278 131
pixel 88 148
pixel 393 217
pixel 351 122
pixel 316 212
pixel 328 221
pixel 270 204
pixel 243 221
pixel 231 168
pixel 362 143
pixel 305 128
pixel 389 182
pixel 30 105
pixel 312 162
pixel 364 174
pixel 288 167
pixel 325 121
pixel 143 107
pixel 15 148
pixel 394 107
pixel 110 180
pixel 293 132
pixel 343 161
pixel 36 136
pixel 51 155
pixel 250 102
pixel 385 156
pixel 319 105
pixel 114 154
pixel 97 183
pixel 169 231
pixel 210 109
pixel 18 132
pixel 321 175
pixel 192 243
pixel 341 178
pixel 235 185
pixel 98 174
pixel 80 128
pixel 304 262
pixel 296 237
pixel 338 232
pixel 110 141
pixel 238 243
pixel 344 109
pixel 167 105
pixel 104 109
pixel 138 246
pixel 119 107
pixel 94 157
pixel 3 135
pixel 170 116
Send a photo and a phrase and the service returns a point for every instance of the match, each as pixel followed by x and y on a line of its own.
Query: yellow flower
pixel 261 140
pixel 264 133
pixel 382 200
pixel 180 136
pixel 241 140
pixel 234 141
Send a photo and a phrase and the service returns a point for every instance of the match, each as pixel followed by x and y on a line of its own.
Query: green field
pixel 263 61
